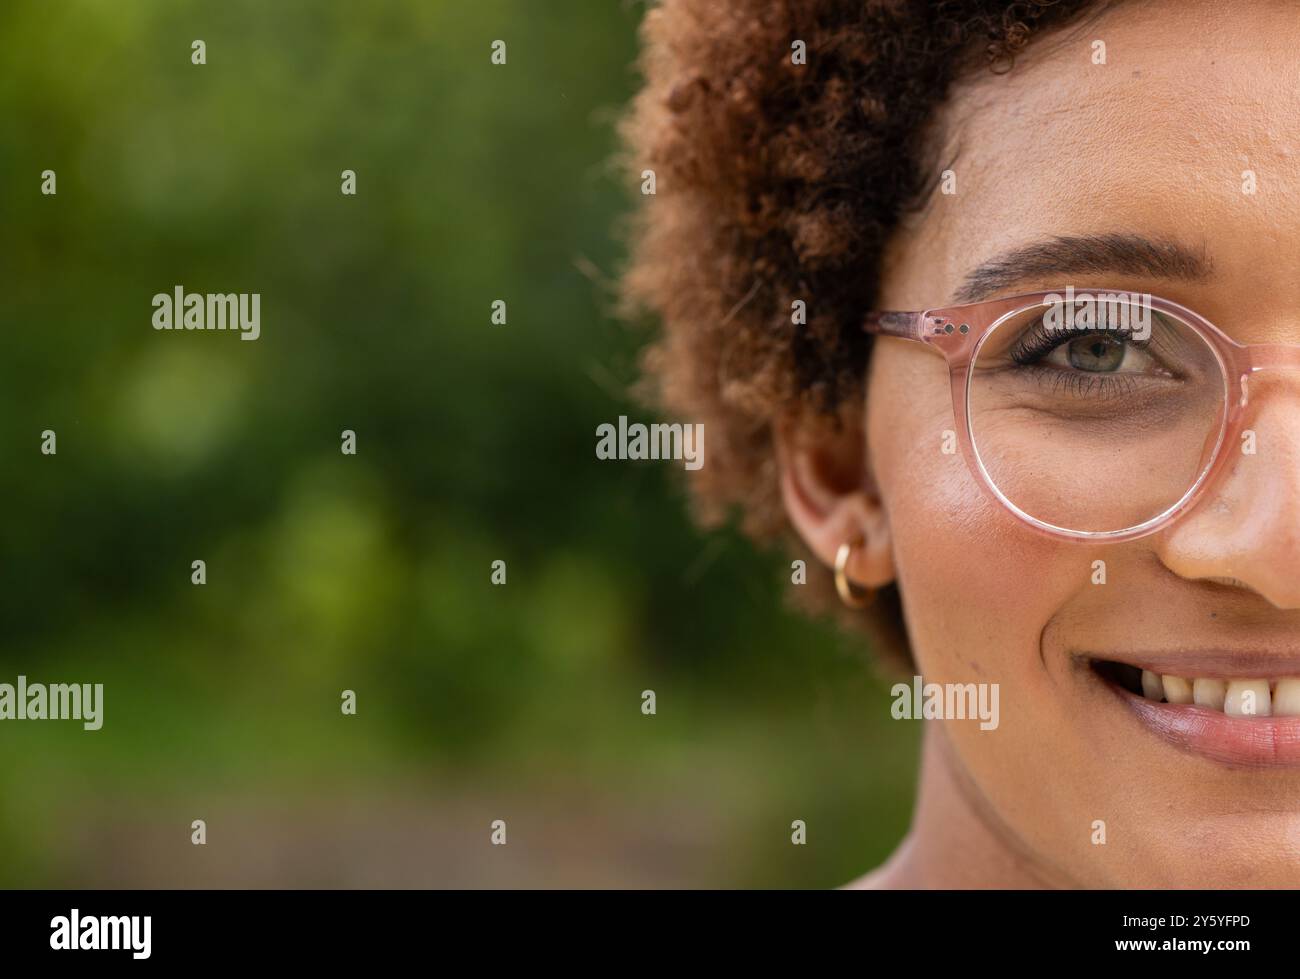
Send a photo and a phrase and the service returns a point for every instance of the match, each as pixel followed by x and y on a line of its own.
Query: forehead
pixel 1156 141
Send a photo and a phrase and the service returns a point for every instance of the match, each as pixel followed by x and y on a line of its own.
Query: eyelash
pixel 1079 383
pixel 1036 343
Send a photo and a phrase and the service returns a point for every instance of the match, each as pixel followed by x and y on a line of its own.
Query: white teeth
pixel 1286 698
pixel 1247 698
pixel 1209 693
pixel 1236 698
pixel 1179 691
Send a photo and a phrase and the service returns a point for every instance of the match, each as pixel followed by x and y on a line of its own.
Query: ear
pixel 831 499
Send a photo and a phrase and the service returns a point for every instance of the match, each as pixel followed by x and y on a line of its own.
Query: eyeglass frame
pixel 959 332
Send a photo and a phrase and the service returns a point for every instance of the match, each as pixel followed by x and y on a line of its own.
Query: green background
pixel 371 572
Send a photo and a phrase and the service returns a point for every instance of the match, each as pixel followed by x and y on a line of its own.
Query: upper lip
pixel 1211 662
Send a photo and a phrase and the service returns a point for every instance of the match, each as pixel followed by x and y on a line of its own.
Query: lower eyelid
pixel 1105 383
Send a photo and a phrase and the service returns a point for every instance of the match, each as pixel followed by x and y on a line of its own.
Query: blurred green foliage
pixel 371 572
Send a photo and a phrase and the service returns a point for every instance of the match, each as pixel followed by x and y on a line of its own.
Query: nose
pixel 1246 530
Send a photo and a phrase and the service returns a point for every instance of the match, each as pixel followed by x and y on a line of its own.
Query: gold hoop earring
pixel 850 594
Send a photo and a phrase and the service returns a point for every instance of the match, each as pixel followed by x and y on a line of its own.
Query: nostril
pixel 1231 582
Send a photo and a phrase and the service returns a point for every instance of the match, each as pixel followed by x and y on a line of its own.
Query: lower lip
pixel 1254 741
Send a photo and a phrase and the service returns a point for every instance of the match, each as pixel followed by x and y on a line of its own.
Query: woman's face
pixel 1152 143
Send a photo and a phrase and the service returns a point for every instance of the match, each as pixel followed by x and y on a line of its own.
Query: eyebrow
pixel 1129 254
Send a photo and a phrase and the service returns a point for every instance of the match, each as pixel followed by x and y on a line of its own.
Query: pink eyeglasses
pixel 1100 415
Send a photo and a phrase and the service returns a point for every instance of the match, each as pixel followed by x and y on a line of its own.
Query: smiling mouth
pixel 1238 720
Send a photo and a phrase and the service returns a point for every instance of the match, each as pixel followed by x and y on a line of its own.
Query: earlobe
pixel 829 500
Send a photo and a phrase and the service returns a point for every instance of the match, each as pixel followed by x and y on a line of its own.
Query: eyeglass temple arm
pixel 906 326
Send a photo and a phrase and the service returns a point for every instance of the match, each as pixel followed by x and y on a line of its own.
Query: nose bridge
pixel 1272 356
pixel 1259 357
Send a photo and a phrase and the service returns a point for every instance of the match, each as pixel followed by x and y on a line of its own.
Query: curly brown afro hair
pixel 777 181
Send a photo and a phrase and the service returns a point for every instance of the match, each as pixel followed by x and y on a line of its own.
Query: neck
pixel 956 840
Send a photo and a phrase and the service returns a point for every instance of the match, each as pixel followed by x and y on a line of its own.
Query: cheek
pixel 978 587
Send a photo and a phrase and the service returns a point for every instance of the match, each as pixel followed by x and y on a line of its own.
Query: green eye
pixel 1098 354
